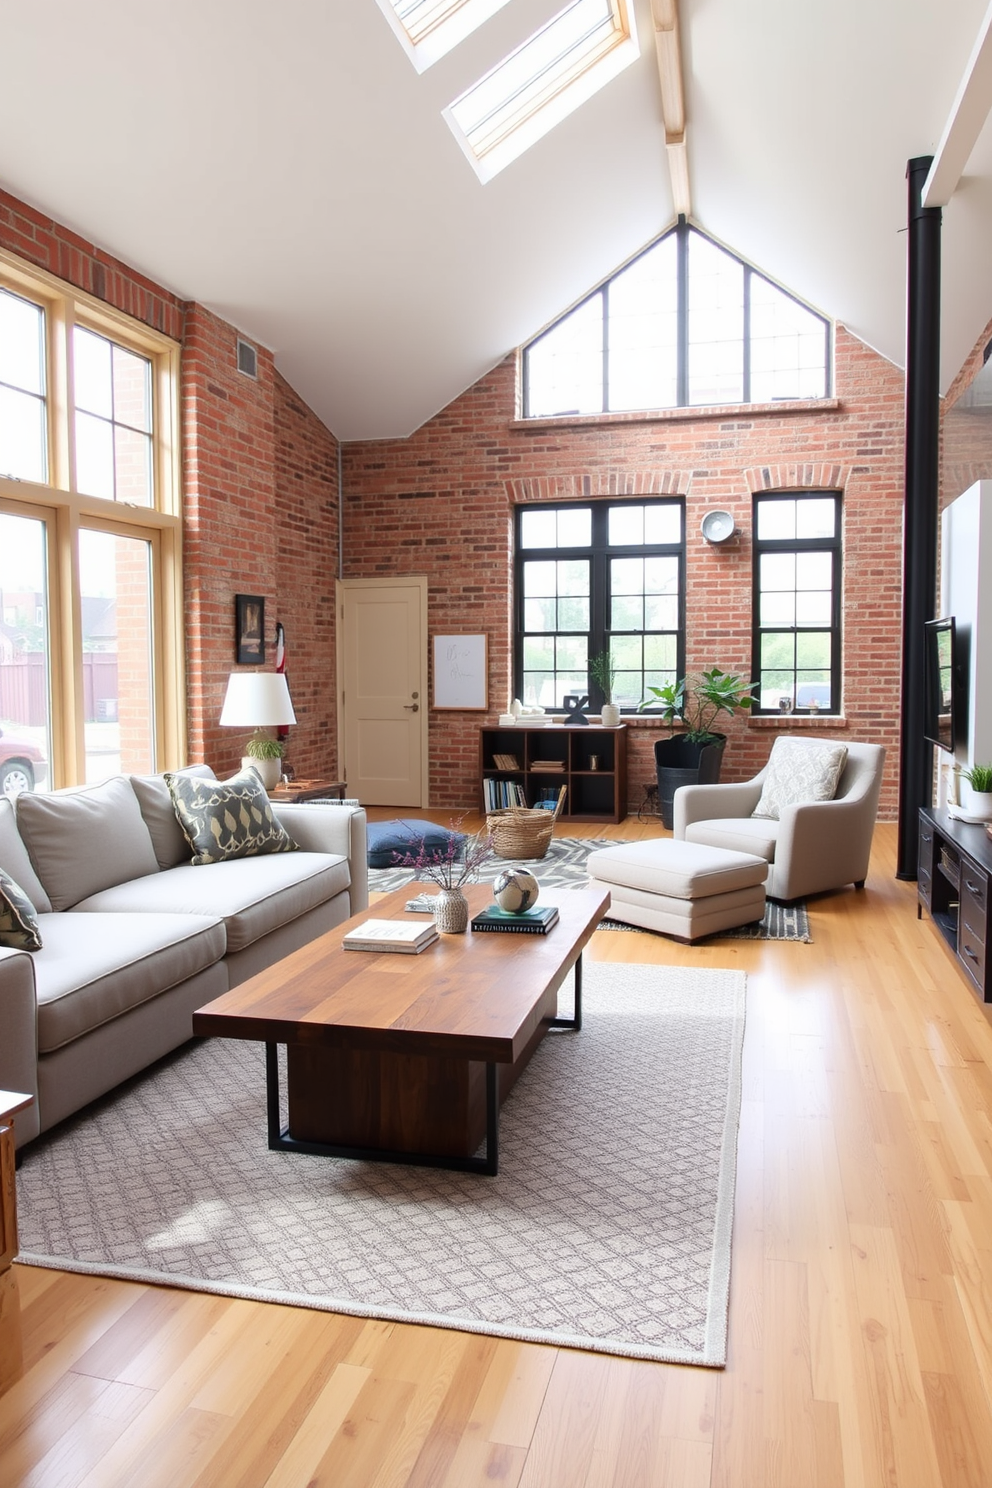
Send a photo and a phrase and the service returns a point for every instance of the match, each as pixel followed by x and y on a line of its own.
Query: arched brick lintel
pixel 813 477
pixel 597 483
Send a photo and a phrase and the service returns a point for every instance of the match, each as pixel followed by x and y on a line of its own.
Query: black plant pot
pixel 681 761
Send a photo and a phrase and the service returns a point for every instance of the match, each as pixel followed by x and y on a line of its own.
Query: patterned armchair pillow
pixel 18 920
pixel 224 819
pixel 800 771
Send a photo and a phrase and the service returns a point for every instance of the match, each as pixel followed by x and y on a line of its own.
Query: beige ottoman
pixel 683 889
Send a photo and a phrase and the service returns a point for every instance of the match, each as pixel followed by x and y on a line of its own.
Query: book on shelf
pixel 536 921
pixel 406 936
pixel 505 762
pixel 497 795
pixel 553 767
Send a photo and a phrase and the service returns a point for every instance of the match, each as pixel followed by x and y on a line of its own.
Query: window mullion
pixel 746 348
pixel 682 317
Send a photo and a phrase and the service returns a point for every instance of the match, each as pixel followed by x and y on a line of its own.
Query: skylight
pixel 430 28
pixel 542 82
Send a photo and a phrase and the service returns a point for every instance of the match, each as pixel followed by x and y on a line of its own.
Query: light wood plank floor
pixel 860 1308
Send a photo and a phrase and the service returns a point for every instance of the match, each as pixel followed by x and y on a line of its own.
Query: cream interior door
pixel 383 689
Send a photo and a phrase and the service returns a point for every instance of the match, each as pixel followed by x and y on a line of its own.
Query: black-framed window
pixel 598 578
pixel 684 324
pixel 797 602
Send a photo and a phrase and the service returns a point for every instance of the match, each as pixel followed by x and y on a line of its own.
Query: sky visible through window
pixel 625 346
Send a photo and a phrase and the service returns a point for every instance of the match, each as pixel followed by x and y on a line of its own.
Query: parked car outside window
pixel 22 765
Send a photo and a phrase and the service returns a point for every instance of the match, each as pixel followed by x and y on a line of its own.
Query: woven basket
pixel 522 831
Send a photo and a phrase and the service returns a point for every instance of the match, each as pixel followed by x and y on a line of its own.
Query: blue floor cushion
pixel 389 839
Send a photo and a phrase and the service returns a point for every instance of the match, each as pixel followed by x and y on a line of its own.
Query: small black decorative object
pixel 249 628
pixel 575 710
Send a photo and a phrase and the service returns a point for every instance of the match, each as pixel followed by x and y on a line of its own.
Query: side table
pixel 10 1306
pixel 309 790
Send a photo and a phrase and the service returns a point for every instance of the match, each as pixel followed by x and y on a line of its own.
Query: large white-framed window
pixel 91 633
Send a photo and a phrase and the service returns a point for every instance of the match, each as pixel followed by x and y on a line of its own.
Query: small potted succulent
pixel 694 756
pixel 604 674
pixel 266 756
pixel 978 795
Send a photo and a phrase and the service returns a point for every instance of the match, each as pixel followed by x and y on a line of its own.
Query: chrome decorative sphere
pixel 515 889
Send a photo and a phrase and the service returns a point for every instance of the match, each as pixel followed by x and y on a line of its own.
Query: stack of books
pixel 405 936
pixel 536 921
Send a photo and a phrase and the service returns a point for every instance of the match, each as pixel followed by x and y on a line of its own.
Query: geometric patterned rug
pixel 564 867
pixel 607 1228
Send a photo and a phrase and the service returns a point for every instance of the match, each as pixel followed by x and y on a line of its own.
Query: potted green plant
pixel 266 756
pixel 694 756
pixel 604 674
pixel 978 802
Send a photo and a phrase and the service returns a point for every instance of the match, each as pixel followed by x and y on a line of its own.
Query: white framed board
pixel 460 672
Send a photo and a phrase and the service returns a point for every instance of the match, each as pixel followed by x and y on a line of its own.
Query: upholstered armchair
pixel 811 847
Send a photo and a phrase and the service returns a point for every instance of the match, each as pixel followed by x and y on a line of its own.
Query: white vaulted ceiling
pixel 286 166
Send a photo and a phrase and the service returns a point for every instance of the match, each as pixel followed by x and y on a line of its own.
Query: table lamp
pixel 259 700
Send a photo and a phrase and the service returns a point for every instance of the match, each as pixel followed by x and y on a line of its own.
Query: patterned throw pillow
pixel 18 921
pixel 799 772
pixel 225 819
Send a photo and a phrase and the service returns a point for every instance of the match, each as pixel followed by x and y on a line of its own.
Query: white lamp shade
pixel 257 700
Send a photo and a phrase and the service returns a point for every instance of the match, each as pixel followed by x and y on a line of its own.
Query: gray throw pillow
pixel 800 771
pixel 224 819
pixel 18 921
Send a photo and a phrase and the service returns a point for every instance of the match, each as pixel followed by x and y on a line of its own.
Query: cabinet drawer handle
pixel 969 952
pixel 926 836
pixel 973 888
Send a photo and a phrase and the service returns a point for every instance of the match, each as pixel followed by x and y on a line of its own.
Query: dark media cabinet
pixel 953 887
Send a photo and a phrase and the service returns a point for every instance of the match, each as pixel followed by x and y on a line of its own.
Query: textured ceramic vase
pixel 270 770
pixel 451 913
pixel 609 715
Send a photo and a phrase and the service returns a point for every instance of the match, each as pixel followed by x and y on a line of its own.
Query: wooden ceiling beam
pixel 968 113
pixel 668 46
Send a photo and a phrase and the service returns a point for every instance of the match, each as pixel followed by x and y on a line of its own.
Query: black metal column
pixel 919 562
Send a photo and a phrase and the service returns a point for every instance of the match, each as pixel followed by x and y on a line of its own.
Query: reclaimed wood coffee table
pixel 402 1058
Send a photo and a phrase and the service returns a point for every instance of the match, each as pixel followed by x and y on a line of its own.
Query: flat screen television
pixel 941 702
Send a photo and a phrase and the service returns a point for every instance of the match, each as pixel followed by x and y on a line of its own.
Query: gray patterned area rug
pixel 608 1227
pixel 564 867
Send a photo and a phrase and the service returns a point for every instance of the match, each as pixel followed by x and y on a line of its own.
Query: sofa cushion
pixel 93 967
pixel 800 771
pixel 227 819
pixel 389 840
pixel 14 858
pixel 159 812
pixel 251 895
pixel 82 841
pixel 750 834
pixel 18 920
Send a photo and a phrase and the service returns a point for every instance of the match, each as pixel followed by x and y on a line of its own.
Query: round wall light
pixel 717 526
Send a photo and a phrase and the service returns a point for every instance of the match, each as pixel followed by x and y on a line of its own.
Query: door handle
pixel 413 707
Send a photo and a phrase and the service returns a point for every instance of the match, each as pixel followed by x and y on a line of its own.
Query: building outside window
pixel 797 602
pixel 90 538
pixel 592 579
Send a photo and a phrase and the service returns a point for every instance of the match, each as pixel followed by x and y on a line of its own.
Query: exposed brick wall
pixel 259 498
pixel 441 503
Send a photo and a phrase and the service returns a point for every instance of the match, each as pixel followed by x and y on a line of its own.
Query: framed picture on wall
pixel 460 672
pixel 249 628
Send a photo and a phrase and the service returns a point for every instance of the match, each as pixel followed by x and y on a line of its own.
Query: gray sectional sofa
pixel 135 938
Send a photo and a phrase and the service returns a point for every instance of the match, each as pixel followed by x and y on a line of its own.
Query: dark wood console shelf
pixel 953 887
pixel 550 757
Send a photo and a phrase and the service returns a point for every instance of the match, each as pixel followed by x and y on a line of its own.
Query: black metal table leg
pixel 575 1022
